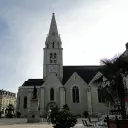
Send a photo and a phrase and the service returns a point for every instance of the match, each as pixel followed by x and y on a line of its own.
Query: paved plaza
pixel 21 123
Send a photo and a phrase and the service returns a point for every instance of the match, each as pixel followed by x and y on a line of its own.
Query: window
pixel 100 98
pixel 25 102
pixel 54 57
pixel 19 100
pixel 75 94
pixel 51 94
pixel 51 56
pixel 53 45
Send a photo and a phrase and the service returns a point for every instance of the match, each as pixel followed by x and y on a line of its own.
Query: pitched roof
pixel 85 72
pixel 32 82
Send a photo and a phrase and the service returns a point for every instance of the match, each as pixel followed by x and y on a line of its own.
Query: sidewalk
pixel 22 123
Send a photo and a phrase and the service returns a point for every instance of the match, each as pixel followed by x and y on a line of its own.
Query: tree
pixel 65 107
pixel 63 118
pixel 10 111
pixel 112 83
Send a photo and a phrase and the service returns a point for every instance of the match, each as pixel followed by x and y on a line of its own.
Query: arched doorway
pixel 50 106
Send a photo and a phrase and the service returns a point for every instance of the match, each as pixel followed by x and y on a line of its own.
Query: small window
pixel 54 55
pixel 100 98
pixel 75 94
pixel 51 94
pixel 50 60
pixel 25 102
pixel 53 45
pixel 54 60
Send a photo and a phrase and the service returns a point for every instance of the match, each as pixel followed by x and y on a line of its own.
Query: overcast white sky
pixel 89 30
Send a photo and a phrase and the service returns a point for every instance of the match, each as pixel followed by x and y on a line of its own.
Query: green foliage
pixel 112 81
pixel 54 110
pixel 10 111
pixel 65 107
pixel 63 117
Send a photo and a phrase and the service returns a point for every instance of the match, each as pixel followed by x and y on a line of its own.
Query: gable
pixel 97 75
pixel 52 81
pixel 85 72
pixel 75 79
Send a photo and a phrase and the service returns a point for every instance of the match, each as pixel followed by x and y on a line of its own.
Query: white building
pixel 61 85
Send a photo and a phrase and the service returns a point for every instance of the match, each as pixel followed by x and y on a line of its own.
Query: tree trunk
pixel 121 94
pixel 123 111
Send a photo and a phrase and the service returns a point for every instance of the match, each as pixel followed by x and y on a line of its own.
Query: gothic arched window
pixel 100 98
pixel 55 57
pixel 51 94
pixel 19 100
pixel 53 45
pixel 75 94
pixel 51 56
pixel 25 102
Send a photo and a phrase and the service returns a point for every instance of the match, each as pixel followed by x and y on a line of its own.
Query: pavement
pixel 22 123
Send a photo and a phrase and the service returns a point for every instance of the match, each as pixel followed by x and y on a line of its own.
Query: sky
pixel 89 29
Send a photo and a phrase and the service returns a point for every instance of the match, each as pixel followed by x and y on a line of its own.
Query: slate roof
pixel 85 72
pixel 4 92
pixel 32 82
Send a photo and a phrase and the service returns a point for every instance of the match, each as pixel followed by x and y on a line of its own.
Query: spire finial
pixel 53 11
pixel 53 26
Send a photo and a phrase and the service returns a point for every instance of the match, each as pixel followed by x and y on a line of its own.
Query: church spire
pixel 53 60
pixel 53 38
pixel 53 27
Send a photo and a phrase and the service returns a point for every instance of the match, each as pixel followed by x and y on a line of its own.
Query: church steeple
pixel 53 60
pixel 53 26
pixel 53 38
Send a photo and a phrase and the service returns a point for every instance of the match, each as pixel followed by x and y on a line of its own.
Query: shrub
pixel 63 118
pixel 65 107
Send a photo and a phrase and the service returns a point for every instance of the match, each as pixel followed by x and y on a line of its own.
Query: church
pixel 71 85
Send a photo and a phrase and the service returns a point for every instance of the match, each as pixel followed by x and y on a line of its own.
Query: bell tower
pixel 53 60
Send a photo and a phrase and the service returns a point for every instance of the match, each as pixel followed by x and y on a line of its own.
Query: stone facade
pixel 6 98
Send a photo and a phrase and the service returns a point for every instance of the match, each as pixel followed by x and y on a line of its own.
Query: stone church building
pixel 61 84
